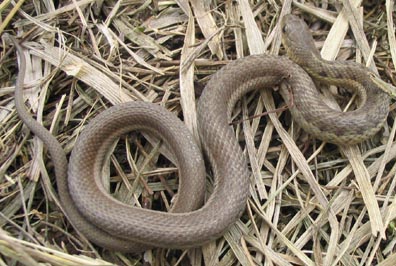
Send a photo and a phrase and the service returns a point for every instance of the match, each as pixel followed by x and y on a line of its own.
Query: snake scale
pixel 117 226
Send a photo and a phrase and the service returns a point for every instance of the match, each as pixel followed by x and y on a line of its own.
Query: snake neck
pixel 346 74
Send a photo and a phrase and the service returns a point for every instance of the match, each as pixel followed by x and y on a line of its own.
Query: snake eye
pixel 284 29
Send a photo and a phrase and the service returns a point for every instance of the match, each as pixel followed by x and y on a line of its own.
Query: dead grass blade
pixel 309 204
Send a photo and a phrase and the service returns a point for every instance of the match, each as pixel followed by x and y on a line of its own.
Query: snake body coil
pixel 117 226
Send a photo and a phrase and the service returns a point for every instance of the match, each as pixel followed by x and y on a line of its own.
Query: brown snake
pixel 117 226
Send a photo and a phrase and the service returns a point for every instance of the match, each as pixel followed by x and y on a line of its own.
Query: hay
pixel 311 203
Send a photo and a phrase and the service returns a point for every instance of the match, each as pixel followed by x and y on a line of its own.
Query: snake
pixel 191 221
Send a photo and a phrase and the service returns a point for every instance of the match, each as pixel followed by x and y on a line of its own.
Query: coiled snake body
pixel 117 226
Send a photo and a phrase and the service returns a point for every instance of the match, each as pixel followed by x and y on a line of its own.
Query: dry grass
pixel 311 203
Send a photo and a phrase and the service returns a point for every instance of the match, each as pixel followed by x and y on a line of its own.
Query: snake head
pixel 297 39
